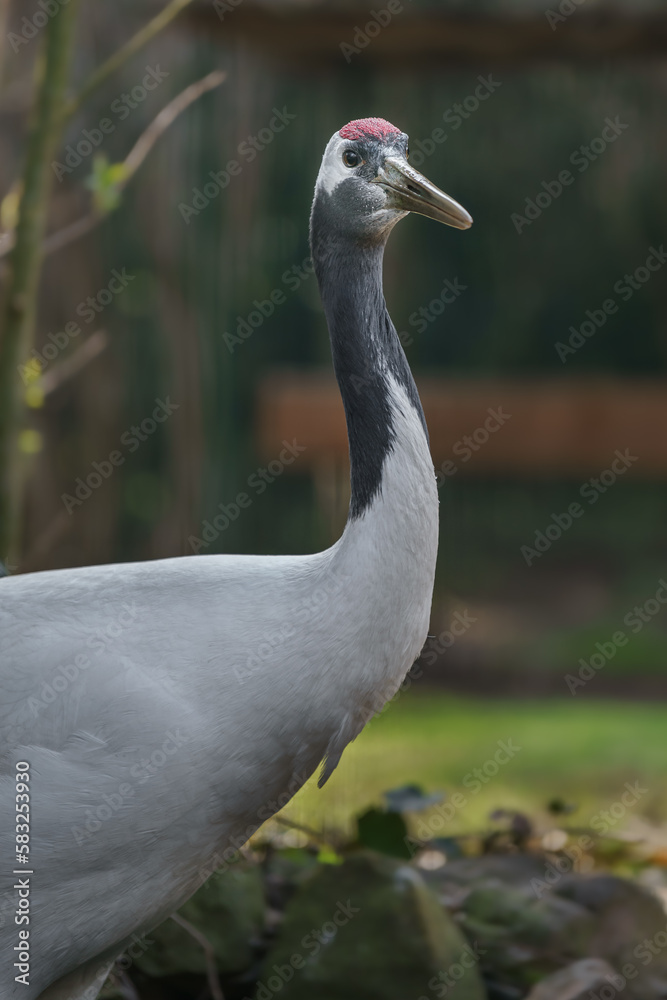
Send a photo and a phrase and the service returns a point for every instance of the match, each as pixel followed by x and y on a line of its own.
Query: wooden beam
pixel 544 428
pixel 308 37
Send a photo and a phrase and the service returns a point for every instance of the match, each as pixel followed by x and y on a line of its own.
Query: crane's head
pixel 365 184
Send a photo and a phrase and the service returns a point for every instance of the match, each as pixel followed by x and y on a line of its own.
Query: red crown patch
pixel 368 128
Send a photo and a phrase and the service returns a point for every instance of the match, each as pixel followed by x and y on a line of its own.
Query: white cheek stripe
pixel 333 170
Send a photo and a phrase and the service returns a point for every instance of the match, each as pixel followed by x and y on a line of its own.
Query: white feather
pixel 333 170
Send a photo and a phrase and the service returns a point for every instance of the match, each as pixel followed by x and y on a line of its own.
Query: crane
pixel 139 724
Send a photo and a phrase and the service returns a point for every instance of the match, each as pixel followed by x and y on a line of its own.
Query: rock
pixel 630 929
pixel 507 904
pixel 228 910
pixel 455 880
pixel 576 981
pixel 368 929
pixel 523 938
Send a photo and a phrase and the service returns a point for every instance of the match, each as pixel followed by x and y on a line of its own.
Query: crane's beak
pixel 410 191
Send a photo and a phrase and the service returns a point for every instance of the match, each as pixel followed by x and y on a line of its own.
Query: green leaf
pixel 106 182
pixel 384 831
pixel 327 856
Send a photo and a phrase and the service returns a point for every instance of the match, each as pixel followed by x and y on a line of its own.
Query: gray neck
pixel 386 556
pixel 367 355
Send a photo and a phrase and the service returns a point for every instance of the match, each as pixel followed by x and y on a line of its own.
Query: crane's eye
pixel 351 158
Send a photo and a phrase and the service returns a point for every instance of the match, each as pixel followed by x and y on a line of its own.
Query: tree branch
pixel 161 123
pixel 19 314
pixel 315 835
pixel 142 147
pixel 125 52
pixel 209 954
pixel 27 244
pixel 75 362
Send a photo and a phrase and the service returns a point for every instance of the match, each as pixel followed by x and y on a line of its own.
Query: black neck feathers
pixel 366 350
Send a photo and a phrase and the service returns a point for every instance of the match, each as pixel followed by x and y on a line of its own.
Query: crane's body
pixel 167 708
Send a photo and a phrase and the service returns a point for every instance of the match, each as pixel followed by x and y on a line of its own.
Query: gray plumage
pixel 168 708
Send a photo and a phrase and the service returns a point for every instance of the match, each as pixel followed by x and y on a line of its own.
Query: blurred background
pixel 538 341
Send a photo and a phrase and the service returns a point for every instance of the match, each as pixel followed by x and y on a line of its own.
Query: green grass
pixel 581 750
